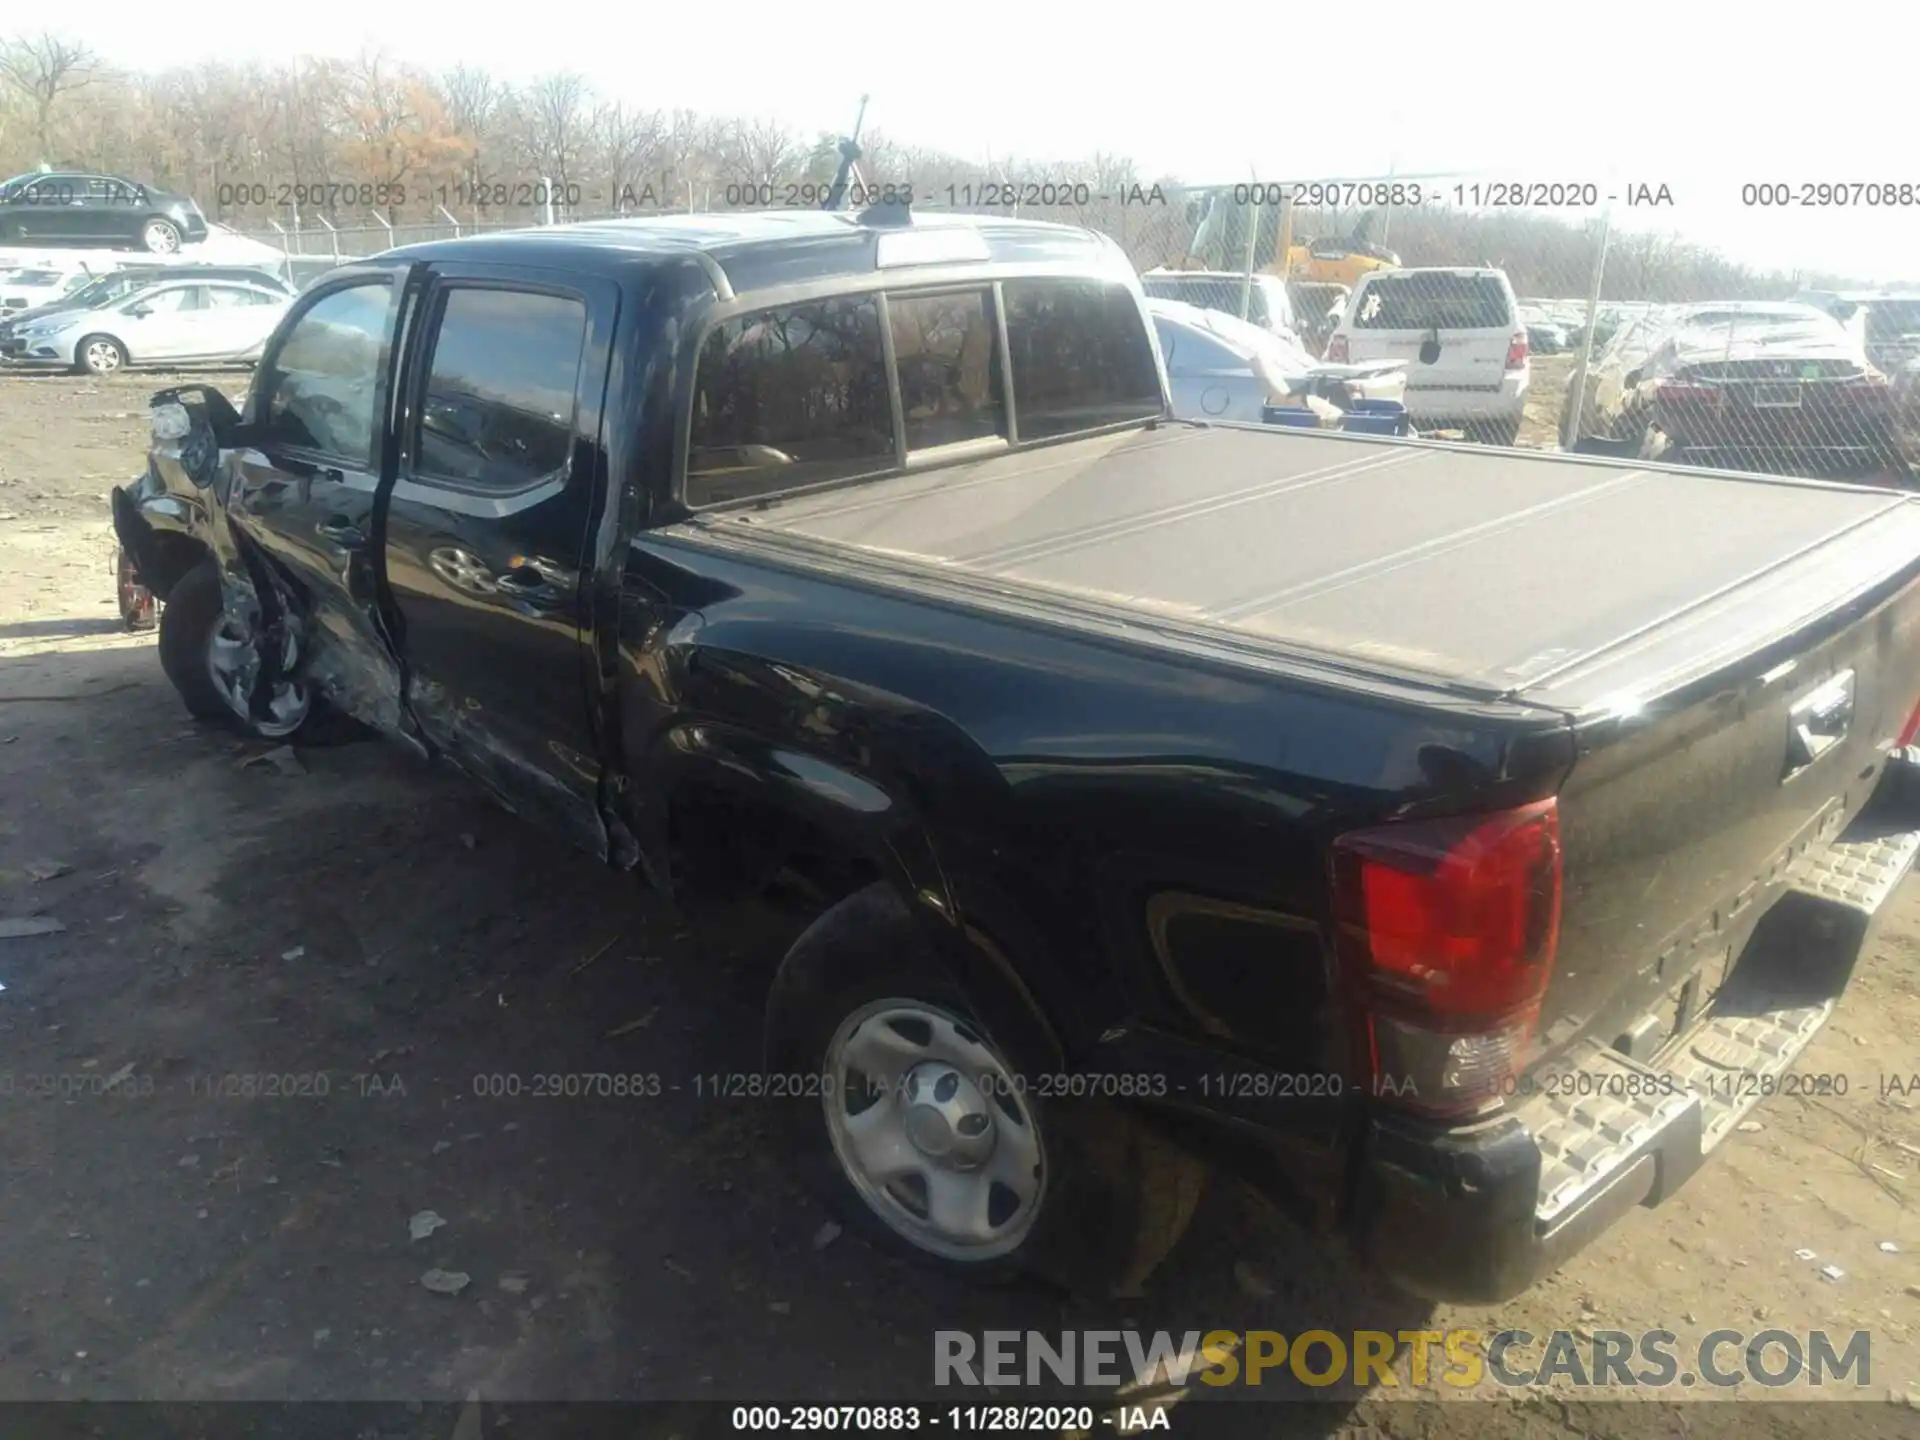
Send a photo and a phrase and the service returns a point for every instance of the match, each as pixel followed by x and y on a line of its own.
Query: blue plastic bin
pixel 1375 417
pixel 1287 415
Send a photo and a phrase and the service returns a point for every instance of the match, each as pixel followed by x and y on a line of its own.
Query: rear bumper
pixel 1480 1213
pixel 1433 408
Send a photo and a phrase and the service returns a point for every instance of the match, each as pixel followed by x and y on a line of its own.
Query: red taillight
pixel 1910 731
pixel 1447 932
pixel 1517 350
pixel 1337 350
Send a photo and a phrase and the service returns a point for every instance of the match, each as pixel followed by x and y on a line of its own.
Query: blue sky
pixel 1702 99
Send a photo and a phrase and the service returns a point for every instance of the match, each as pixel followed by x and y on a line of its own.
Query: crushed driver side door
pixel 315 442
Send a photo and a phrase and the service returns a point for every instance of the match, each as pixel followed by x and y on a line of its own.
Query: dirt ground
pixel 377 921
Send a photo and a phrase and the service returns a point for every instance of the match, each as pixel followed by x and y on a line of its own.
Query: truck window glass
pixel 1080 355
pixel 945 350
pixel 789 397
pixel 498 410
pixel 1425 301
pixel 318 390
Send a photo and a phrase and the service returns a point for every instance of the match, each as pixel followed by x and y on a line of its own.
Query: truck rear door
pixel 485 530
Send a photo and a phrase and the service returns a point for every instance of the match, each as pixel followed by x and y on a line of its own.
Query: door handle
pixel 339 531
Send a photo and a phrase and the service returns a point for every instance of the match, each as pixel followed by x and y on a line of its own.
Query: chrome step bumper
pixel 1601 1119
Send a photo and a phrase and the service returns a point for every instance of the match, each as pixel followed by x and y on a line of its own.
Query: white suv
pixel 1459 331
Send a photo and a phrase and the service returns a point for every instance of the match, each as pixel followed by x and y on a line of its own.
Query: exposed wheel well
pixel 171 556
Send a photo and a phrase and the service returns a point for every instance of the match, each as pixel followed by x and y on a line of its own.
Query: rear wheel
pixel 161 237
pixel 936 1141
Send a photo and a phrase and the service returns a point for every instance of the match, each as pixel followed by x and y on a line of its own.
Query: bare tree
pixel 43 69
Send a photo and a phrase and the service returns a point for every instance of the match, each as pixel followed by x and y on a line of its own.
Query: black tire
pixel 1117 1196
pixel 193 608
pixel 85 362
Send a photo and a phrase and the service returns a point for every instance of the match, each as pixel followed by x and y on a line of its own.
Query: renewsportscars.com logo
pixel 1460 1359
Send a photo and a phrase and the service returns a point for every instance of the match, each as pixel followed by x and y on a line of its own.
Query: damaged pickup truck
pixel 1454 842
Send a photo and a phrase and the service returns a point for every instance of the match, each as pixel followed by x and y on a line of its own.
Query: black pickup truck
pixel 1454 842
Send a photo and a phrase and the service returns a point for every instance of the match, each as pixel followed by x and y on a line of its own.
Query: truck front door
pixel 486 531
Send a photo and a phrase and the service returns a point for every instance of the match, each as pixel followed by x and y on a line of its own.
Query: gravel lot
pixel 377 920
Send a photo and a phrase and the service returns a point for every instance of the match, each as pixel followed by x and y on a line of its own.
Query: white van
pixel 1459 331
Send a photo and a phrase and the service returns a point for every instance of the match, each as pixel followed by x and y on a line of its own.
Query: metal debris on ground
pixel 48 869
pixel 446 1282
pixel 424 1224
pixel 1805 1255
pixel 441 1145
pixel 513 1283
pixel 1751 1127
pixel 1833 1272
pixel 281 758
pixel 633 1025
pixel 294 954
pixel 1887 1247
pixel 826 1235
pixel 20 927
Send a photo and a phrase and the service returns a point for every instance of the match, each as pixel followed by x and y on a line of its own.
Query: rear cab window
pixel 1433 300
pixel 496 415
pixel 819 392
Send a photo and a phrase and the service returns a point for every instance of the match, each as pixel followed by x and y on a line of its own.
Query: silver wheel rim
pixel 932 1129
pixel 160 238
pixel 233 665
pixel 103 356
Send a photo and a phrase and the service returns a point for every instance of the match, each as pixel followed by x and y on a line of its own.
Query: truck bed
pixel 1504 574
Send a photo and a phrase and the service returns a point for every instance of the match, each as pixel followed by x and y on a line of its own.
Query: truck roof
pixel 762 249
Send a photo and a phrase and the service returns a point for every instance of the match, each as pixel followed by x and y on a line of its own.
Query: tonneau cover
pixel 1499 571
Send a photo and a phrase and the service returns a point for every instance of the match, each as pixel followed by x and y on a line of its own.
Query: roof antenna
pixel 849 157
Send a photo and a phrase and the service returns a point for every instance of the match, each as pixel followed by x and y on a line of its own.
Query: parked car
pixel 1888 325
pixel 1546 338
pixel 1223 368
pixel 103 290
pixel 71 207
pixel 34 285
pixel 169 322
pixel 1418 830
pixel 1268 303
pixel 1757 384
pixel 1459 330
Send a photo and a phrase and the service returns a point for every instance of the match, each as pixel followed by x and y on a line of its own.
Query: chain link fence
pixel 1516 314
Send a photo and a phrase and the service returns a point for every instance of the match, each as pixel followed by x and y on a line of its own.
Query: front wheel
pixel 936 1141
pixel 213 662
pixel 99 355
